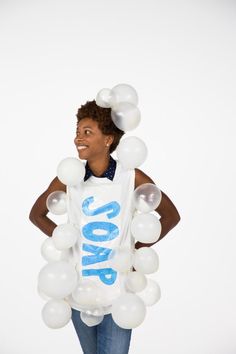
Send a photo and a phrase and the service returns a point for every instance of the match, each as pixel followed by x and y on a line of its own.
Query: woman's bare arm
pixel 169 216
pixel 39 211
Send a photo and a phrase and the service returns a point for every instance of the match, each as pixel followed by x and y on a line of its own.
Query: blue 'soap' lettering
pixel 100 254
pixel 112 209
pixel 106 275
pixel 112 231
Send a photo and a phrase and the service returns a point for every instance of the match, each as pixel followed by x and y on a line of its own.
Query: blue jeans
pixel 105 338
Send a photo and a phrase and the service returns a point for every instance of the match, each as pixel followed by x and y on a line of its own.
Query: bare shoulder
pixel 56 185
pixel 141 178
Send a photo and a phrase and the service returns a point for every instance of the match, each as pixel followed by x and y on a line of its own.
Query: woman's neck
pixel 98 167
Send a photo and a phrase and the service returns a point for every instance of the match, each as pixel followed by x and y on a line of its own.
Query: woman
pixel 96 138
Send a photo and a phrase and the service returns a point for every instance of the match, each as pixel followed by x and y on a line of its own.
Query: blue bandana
pixel 109 173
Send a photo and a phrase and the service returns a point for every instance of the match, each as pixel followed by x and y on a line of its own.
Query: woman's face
pixel 90 142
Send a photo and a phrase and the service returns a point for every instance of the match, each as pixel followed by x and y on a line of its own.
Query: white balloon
pixel 70 171
pixel 56 313
pixel 146 260
pixel 90 320
pixel 50 253
pixel 136 281
pixel 57 279
pixel 65 236
pixel 125 115
pixel 147 197
pixel 151 294
pixel 125 93
pixel 128 311
pixel 88 295
pixel 105 98
pixel 121 259
pixel 146 228
pixel 131 152
pixel 42 295
pixel 56 202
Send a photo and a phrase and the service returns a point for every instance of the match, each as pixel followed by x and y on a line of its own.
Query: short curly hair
pixel 103 117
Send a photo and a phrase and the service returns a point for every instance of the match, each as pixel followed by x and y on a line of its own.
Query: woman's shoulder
pixel 141 178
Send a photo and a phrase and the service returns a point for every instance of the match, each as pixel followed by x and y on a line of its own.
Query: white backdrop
pixel 180 57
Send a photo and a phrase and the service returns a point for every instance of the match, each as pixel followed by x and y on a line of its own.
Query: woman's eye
pixel 87 132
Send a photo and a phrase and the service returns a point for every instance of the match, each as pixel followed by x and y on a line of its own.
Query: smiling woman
pixel 102 202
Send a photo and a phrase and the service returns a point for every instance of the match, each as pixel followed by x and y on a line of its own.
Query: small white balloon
pixel 151 294
pixel 121 259
pixel 56 202
pixel 88 295
pixel 147 197
pixel 105 98
pixel 128 311
pixel 65 236
pixel 125 93
pixel 50 253
pixel 42 295
pixel 57 279
pixel 71 171
pixel 126 116
pixel 56 313
pixel 90 320
pixel 136 281
pixel 146 260
pixel 146 228
pixel 131 152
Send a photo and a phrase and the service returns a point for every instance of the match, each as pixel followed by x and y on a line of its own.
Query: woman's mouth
pixel 81 147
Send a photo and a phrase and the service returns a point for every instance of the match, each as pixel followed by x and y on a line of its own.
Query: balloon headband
pixel 123 100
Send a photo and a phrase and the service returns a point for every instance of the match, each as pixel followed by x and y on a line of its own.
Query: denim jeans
pixel 105 338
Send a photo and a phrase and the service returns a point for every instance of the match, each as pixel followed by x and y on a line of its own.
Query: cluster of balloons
pixel 123 100
pixel 59 279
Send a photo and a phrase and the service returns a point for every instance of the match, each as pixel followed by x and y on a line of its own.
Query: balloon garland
pixel 59 278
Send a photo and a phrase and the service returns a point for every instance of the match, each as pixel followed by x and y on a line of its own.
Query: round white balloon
pixel 88 295
pixel 126 116
pixel 146 260
pixel 56 313
pixel 70 171
pixel 121 259
pixel 56 202
pixel 125 93
pixel 151 294
pixel 57 279
pixel 131 152
pixel 146 228
pixel 65 236
pixel 128 311
pixel 50 253
pixel 136 281
pixel 147 197
pixel 105 98
pixel 90 320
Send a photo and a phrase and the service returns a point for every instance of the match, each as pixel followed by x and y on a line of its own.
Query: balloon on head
pixel 56 202
pixel 146 260
pixel 70 171
pixel 131 152
pixel 146 228
pixel 125 93
pixel 125 115
pixel 57 279
pixel 105 98
pixel 135 281
pixel 128 311
pixel 151 293
pixel 147 197
pixel 50 253
pixel 65 236
pixel 56 313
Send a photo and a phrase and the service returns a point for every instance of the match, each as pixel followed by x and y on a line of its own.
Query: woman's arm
pixel 39 211
pixel 169 216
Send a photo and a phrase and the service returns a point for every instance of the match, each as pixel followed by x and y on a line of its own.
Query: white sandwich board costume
pixel 102 210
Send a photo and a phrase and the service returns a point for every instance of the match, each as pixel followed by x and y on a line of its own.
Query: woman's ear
pixel 109 140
